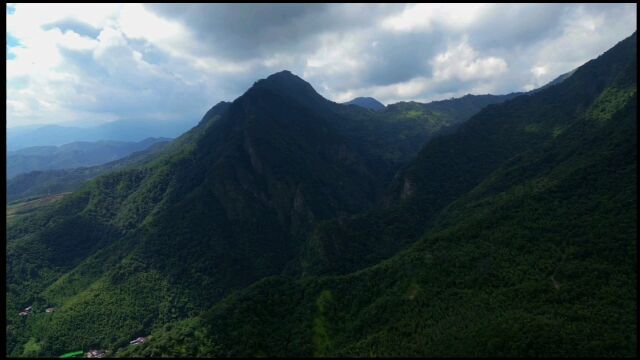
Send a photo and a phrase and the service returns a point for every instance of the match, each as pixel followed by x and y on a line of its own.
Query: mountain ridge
pixel 261 232
pixel 119 130
pixel 72 155
pixel 366 102
pixel 537 258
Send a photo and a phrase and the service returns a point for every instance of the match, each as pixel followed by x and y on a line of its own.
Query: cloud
pixel 241 31
pixel 65 71
pixel 172 62
pixel 427 17
pixel 463 63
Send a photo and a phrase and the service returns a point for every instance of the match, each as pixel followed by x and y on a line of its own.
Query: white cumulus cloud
pixel 102 62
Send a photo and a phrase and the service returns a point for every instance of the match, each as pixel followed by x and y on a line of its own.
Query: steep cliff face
pixel 408 189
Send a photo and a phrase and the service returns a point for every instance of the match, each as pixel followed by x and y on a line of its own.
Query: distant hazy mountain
pixel 367 103
pixel 121 130
pixel 50 182
pixel 75 154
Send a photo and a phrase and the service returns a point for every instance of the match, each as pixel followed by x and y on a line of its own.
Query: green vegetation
pixel 500 272
pixel 17 209
pixel 52 182
pixel 180 339
pixel 31 348
pixel 276 228
pixel 321 337
pixel 396 133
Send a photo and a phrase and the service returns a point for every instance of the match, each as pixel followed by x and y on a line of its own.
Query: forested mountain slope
pixel 395 135
pixel 244 187
pixel 536 256
pixel 449 166
pixel 260 232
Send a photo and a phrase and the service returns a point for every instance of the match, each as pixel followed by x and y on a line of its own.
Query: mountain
pixel 76 154
pixel 519 233
pixel 398 132
pixel 367 103
pixel 119 130
pixel 555 81
pixel 50 182
pixel 244 187
pixel 283 224
pixel 396 135
pixel 449 166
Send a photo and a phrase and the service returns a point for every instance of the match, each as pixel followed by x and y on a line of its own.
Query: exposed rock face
pixel 408 188
pixel 255 161
pixel 298 201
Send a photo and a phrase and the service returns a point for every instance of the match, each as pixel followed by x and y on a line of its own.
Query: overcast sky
pixel 88 64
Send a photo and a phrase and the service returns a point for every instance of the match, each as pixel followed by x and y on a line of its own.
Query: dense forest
pixel 285 224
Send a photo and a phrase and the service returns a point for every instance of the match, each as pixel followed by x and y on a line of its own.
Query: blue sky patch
pixel 11 43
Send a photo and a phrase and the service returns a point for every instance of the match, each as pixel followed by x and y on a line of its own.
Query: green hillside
pixel 50 182
pixel 288 225
pixel 538 259
pixel 124 253
pixel 449 166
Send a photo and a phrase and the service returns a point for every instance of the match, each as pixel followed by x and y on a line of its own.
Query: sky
pixel 89 64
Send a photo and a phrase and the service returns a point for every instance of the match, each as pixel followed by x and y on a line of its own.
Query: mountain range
pixel 285 224
pixel 413 124
pixel 72 155
pixel 119 130
pixel 51 182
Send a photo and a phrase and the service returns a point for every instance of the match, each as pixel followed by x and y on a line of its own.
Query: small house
pixel 96 354
pixel 138 340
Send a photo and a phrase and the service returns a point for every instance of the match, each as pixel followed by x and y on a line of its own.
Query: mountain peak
pixel 284 77
pixel 366 102
pixel 283 74
pixel 287 84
